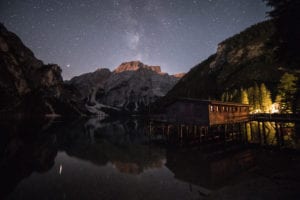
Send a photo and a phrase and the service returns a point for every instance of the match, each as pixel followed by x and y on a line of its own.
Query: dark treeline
pixel 286 15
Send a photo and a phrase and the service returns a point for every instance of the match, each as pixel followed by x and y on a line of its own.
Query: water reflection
pixel 280 134
pixel 93 159
pixel 121 143
pixel 212 171
pixel 24 149
pixel 274 133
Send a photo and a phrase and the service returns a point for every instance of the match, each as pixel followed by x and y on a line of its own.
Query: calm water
pixel 93 159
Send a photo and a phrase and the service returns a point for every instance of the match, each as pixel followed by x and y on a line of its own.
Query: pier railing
pixel 275 117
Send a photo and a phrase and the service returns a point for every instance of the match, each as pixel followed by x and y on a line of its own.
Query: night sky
pixel 83 35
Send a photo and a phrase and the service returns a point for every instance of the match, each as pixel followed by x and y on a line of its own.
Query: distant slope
pixel 242 61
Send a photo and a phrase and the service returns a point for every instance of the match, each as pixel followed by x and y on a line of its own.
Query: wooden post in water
pixel 187 128
pixel 239 131
pixel 150 128
pixel 251 131
pixel 264 133
pixel 277 134
pixel 259 131
pixel 203 133
pixel 281 134
pixel 181 131
pixel 246 131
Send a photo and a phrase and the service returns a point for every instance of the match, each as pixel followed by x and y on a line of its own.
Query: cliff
pixel 28 86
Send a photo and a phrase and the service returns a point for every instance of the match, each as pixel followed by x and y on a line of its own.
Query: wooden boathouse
pixel 193 121
pixel 206 112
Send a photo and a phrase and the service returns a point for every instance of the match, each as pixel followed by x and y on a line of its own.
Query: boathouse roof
pixel 209 102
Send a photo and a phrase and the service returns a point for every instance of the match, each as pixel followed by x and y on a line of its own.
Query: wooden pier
pixel 275 117
pixel 278 134
pixel 182 133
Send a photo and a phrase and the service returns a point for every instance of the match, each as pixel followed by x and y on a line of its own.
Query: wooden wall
pixel 221 114
pixel 187 111
pixel 206 112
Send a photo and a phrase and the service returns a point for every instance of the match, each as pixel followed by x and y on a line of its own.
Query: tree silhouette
pixel 286 15
pixel 244 97
pixel 265 99
pixel 287 90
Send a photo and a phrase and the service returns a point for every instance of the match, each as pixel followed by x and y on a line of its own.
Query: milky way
pixel 83 35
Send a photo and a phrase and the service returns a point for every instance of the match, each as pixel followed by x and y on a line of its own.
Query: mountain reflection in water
pixel 93 159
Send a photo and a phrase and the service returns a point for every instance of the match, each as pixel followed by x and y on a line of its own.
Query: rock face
pixel 240 62
pixel 136 65
pixel 179 75
pixel 28 86
pixel 87 82
pixel 130 87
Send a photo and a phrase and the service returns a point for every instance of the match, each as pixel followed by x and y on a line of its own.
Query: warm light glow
pixel 256 111
pixel 274 108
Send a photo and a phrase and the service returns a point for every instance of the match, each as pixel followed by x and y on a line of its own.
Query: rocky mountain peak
pixel 136 65
pixel 121 91
pixel 179 75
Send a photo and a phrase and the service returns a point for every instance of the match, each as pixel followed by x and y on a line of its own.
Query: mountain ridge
pixel 131 87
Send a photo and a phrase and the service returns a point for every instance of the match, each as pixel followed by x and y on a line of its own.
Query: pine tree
pixel 256 98
pixel 250 92
pixel 265 99
pixel 235 96
pixel 287 89
pixel 286 15
pixel 244 97
pixel 225 96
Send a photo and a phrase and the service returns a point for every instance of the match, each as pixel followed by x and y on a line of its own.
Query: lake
pixel 123 159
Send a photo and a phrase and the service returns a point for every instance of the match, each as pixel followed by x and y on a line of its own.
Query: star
pixel 89 33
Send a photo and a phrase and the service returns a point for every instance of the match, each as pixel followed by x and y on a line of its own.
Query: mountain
pixel 130 87
pixel 243 64
pixel 30 87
